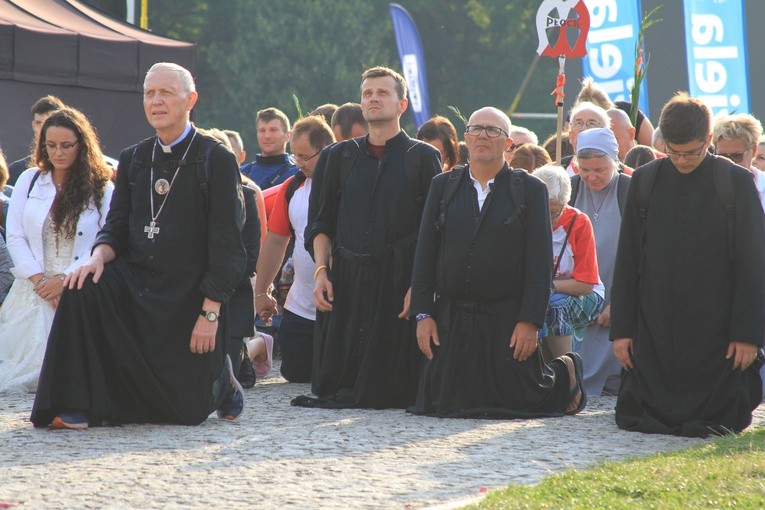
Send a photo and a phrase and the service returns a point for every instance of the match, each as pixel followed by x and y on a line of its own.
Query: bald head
pixel 623 131
pixel 501 117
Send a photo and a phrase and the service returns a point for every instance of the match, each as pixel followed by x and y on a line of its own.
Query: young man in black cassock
pixel 141 341
pixel 485 252
pixel 366 215
pixel 688 299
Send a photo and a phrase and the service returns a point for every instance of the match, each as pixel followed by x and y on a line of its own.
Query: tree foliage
pixel 253 54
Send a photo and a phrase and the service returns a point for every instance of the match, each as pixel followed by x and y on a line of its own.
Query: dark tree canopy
pixel 253 54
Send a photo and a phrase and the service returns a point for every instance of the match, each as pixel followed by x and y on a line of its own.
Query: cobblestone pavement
pixel 278 456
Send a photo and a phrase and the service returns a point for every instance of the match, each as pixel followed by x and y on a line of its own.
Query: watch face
pixel 211 316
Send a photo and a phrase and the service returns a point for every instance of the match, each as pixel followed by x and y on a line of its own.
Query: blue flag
pixel 412 62
pixel 610 60
pixel 715 40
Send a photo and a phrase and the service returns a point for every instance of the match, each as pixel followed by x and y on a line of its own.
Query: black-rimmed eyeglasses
pixel 491 131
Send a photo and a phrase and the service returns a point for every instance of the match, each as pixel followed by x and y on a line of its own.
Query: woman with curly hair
pixel 56 211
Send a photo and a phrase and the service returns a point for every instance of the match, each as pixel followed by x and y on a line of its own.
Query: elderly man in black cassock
pixel 688 298
pixel 142 340
pixel 485 252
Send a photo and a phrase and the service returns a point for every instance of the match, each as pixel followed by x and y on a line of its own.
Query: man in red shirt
pixel 287 218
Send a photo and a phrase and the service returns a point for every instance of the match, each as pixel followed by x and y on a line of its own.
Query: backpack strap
pixel 293 184
pixel 450 189
pixel 351 150
pixel 203 168
pixel 622 189
pixel 517 195
pixel 412 164
pixel 723 181
pixel 644 200
pixel 32 182
pixel 575 180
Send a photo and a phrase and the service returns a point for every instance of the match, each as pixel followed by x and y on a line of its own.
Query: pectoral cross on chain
pixel 151 229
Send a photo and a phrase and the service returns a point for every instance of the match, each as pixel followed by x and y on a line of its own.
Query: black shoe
pixel 246 375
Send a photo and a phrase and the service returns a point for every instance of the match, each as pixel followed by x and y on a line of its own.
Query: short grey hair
pixel 592 107
pixel 525 131
pixel 557 181
pixel 657 137
pixel 187 81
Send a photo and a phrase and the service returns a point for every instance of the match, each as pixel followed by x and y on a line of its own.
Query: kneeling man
pixel 484 252
pixel 141 341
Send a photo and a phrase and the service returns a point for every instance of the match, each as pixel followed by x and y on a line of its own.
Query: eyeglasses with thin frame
pixel 491 131
pixel 736 157
pixel 590 124
pixel 301 159
pixel 64 146
pixel 686 155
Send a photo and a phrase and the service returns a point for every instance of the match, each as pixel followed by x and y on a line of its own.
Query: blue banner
pixel 412 62
pixel 610 60
pixel 715 40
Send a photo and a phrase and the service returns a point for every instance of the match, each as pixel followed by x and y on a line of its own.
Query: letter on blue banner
pixel 412 62
pixel 715 36
pixel 610 60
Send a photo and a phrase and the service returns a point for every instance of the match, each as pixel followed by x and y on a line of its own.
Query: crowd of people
pixel 489 277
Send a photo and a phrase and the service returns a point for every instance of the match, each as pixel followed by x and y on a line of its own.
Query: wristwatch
pixel 209 315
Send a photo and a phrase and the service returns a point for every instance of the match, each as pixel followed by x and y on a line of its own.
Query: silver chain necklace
pixel 152 229
pixel 597 209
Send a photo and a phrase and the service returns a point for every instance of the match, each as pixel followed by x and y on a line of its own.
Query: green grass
pixel 729 472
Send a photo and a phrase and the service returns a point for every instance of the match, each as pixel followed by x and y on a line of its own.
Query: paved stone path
pixel 278 456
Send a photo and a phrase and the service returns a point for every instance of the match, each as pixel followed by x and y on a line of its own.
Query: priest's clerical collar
pixel 167 149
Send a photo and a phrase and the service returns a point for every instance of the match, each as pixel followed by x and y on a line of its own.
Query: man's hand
pixel 203 336
pixel 604 319
pixel 405 311
pixel 524 340
pixel 102 254
pixel 427 331
pixel 623 352
pixel 323 295
pixel 743 354
pixel 265 307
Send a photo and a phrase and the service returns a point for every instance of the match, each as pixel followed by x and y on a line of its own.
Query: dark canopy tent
pixel 89 60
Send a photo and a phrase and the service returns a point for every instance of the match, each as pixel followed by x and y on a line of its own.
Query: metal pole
pixel 524 84
pixel 145 14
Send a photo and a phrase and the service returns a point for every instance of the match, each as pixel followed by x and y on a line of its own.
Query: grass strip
pixel 728 472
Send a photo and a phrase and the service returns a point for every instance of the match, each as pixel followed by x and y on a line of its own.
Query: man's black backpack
pixel 412 162
pixel 723 182
pixel 517 195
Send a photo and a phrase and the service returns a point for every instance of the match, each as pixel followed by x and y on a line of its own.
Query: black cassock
pixel 119 349
pixel 364 356
pixel 488 270
pixel 689 303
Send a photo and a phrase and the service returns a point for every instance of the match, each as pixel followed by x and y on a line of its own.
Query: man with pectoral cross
pixel 137 337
